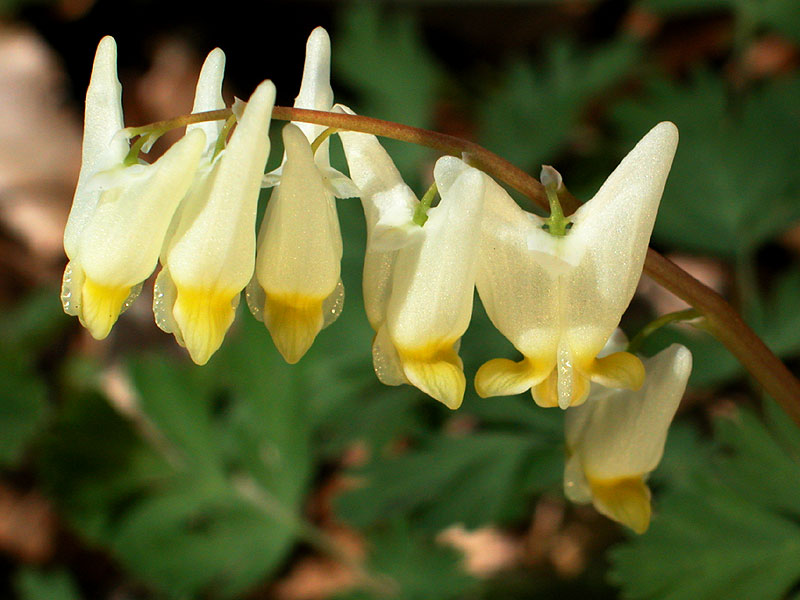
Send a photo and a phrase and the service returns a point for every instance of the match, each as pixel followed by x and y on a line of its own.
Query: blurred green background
pixel 126 472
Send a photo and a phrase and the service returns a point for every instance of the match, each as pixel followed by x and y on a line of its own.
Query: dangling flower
pixel 559 298
pixel 616 439
pixel 120 212
pixel 418 281
pixel 297 289
pixel 389 207
pixel 209 255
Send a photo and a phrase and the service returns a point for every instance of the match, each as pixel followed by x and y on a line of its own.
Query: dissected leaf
pixel 732 533
pixel 445 481
pixel 162 488
pixel 412 566
pixel 533 114
pixel 379 54
pixel 733 161
pixel 33 584
pixel 780 15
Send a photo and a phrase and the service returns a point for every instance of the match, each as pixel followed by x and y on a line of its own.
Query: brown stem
pixel 472 153
pixel 730 329
pixel 723 320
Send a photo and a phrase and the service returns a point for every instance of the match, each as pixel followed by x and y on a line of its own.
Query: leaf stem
pixel 646 331
pixel 262 499
pixel 421 212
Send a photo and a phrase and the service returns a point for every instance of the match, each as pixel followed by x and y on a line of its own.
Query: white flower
pixel 418 281
pixel 297 289
pixel 120 213
pixel 558 299
pixel 210 254
pixel 616 439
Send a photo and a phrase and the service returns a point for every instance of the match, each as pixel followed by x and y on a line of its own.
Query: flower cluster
pixel 555 287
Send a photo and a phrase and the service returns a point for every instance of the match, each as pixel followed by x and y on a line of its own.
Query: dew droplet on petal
pixel 333 304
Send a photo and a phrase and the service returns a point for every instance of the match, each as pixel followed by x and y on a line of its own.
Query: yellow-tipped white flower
pixel 616 439
pixel 120 213
pixel 389 206
pixel 558 299
pixel 418 281
pixel 297 289
pixel 209 256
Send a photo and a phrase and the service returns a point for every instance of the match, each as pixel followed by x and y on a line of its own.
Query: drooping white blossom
pixel 209 255
pixel 616 439
pixel 120 212
pixel 418 281
pixel 559 298
pixel 297 288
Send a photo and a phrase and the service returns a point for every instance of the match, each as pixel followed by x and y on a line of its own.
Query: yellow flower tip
pixel 625 500
pixel 618 370
pixel 293 321
pixel 503 377
pixel 547 393
pixel 204 318
pixel 101 306
pixel 438 371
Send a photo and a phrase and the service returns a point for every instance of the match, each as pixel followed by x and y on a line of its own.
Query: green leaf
pixel 780 15
pixel 380 55
pixel 26 330
pixel 412 566
pixel 734 182
pixel 533 114
pixel 33 584
pixel 732 533
pixel 445 481
pixel 23 407
pixel 162 486
pixel 760 466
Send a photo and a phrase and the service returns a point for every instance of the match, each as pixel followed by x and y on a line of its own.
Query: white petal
pixel 208 96
pixel 214 245
pixel 299 252
pixel 315 88
pixel 614 228
pixel 101 148
pixel 435 277
pixel 623 434
pixel 121 243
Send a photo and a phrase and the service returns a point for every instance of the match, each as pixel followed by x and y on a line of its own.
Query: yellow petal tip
pixel 549 394
pixel 293 322
pixel 618 370
pixel 204 318
pixel 503 377
pixel 625 500
pixel 101 306
pixel 437 371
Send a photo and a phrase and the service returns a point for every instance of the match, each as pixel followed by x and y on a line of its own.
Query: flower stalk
pixel 721 318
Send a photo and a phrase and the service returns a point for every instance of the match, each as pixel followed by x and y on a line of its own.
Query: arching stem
pixel 722 319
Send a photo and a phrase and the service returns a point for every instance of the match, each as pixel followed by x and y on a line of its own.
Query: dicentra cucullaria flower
pixel 616 439
pixel 209 255
pixel 120 212
pixel 559 298
pixel 297 288
pixel 418 281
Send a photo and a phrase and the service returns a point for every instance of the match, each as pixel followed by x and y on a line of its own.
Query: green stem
pixel 557 223
pixel 682 315
pixel 262 499
pixel 133 154
pixel 321 138
pixel 223 135
pixel 421 212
